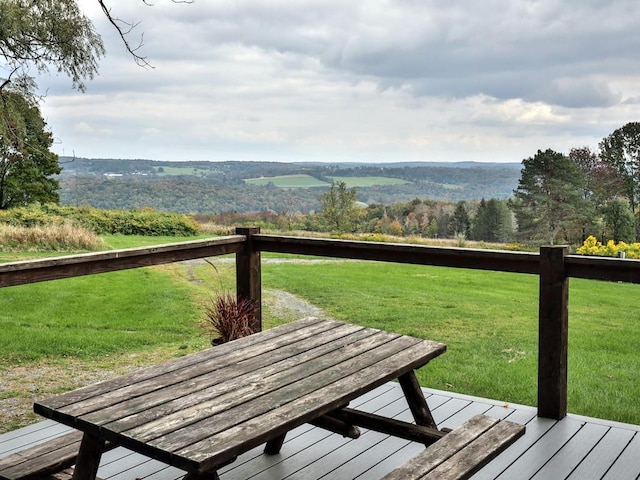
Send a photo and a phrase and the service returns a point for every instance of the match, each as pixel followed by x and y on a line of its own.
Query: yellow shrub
pixel 592 246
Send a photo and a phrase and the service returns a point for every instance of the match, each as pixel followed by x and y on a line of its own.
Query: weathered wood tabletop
pixel 201 411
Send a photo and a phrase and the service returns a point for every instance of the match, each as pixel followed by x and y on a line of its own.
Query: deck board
pixel 575 448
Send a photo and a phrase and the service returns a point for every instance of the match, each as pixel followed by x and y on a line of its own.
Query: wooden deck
pixel 576 448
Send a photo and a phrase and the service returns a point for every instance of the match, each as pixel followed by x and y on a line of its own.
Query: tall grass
pixel 43 238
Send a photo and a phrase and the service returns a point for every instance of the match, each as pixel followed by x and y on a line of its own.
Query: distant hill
pixel 216 187
pixel 513 165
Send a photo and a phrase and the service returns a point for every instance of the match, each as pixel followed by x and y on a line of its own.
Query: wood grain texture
pixel 461 453
pixel 201 411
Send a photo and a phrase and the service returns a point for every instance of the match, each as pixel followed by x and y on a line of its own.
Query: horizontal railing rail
pixel 32 271
pixel 576 266
pixel 519 262
pixel 603 268
pixel 553 266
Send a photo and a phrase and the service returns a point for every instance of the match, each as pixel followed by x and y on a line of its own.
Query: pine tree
pixel 548 202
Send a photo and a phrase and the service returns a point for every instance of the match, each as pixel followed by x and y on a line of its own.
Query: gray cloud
pixel 450 49
pixel 402 79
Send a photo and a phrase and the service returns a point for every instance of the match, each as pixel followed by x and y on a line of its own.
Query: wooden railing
pixel 553 266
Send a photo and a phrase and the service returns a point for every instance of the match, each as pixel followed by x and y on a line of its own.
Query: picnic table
pixel 200 411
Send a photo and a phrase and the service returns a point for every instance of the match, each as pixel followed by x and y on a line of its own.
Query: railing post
pixel 248 274
pixel 553 333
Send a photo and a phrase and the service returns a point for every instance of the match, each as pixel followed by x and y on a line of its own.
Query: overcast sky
pixel 354 80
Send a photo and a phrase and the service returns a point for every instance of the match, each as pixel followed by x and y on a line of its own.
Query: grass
pixel 489 322
pixel 48 237
pixel 307 181
pixel 487 319
pixel 86 317
pixel 288 181
pixel 110 242
pixel 369 181
pixel 116 242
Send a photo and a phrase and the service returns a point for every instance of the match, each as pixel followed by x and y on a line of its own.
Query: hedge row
pixel 127 222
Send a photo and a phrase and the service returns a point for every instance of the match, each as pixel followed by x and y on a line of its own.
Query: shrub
pixel 127 222
pixel 230 318
pixel 592 246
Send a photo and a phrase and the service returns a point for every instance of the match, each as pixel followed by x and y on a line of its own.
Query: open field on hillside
pixel 306 181
pixel 288 181
pixel 369 181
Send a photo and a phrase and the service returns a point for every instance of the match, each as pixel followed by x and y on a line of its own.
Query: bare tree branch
pixel 124 28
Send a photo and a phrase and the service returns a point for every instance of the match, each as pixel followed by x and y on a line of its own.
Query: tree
pixel 431 228
pixel 619 221
pixel 339 210
pixel 460 222
pixel 124 28
pixel 621 150
pixel 26 163
pixel 601 181
pixel 47 33
pixel 492 222
pixel 42 34
pixel 548 202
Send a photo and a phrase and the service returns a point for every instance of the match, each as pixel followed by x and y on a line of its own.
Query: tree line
pixel 486 220
pixel 560 198
pixel 565 198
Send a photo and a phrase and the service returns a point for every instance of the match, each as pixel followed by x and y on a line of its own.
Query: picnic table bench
pixel 200 411
pixel 461 453
pixel 44 459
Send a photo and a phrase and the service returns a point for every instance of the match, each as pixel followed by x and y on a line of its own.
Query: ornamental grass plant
pixel 230 317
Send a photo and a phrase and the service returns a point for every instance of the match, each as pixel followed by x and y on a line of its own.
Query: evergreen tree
pixel 480 229
pixel 619 221
pixel 492 222
pixel 548 202
pixel 460 222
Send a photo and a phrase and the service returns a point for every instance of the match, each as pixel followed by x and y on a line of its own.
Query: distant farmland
pixel 307 181
pixel 288 181
pixel 369 181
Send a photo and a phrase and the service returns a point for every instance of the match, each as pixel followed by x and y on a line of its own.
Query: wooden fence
pixel 553 265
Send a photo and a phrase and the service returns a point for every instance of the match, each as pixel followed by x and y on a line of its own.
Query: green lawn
pixel 95 315
pixel 489 322
pixel 487 319
pixel 116 242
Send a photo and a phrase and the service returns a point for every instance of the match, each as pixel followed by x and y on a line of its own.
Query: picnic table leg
pixel 88 460
pixel 415 399
pixel 274 445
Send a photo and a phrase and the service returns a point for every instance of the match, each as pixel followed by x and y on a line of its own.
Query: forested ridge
pixel 216 187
